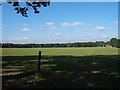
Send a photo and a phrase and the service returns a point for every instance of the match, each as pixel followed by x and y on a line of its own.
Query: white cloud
pixel 58 34
pixel 100 28
pixel 46 39
pixel 65 24
pixel 19 38
pixel 26 29
pixel 49 23
pixel 52 28
pixel 74 24
pixel 104 36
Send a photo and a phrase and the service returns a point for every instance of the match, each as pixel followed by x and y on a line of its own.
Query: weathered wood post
pixel 39 61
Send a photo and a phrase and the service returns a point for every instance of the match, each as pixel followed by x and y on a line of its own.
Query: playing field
pixel 61 67
pixel 60 51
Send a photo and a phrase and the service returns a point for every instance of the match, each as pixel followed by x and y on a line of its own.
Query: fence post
pixel 39 61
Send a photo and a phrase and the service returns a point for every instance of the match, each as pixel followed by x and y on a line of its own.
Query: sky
pixel 61 22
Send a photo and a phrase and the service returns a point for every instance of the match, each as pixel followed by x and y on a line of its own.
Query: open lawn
pixel 61 67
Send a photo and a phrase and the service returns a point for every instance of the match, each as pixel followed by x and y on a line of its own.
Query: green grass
pixel 61 67
pixel 60 51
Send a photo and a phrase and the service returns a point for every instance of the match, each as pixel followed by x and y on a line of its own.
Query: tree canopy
pixel 50 45
pixel 114 42
pixel 34 4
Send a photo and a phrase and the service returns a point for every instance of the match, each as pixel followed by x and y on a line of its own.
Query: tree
pixel 114 42
pixel 34 4
pixel 118 43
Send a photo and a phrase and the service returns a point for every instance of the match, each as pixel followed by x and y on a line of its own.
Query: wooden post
pixel 39 61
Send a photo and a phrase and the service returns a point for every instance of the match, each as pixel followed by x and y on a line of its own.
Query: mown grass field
pixel 61 67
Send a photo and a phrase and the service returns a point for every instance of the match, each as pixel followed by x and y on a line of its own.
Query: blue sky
pixel 62 22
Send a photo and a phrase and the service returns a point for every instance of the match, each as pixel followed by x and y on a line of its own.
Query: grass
pixel 61 67
pixel 60 51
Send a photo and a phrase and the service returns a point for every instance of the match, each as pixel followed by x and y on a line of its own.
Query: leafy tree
pixel 118 43
pixel 114 42
pixel 34 4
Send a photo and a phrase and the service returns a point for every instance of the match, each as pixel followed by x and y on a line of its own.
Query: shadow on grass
pixel 62 72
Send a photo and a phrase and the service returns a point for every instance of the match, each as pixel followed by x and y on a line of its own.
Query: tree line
pixel 112 43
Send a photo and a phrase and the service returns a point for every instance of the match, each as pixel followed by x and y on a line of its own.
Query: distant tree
pixel 76 44
pixel 114 42
pixel 34 4
pixel 118 43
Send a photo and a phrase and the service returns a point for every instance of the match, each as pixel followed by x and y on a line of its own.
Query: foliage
pixel 34 4
pixel 77 44
pixel 114 42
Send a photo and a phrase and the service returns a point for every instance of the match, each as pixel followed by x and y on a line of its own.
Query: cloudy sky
pixel 61 22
